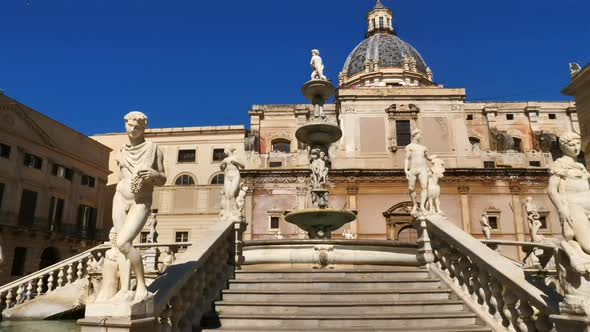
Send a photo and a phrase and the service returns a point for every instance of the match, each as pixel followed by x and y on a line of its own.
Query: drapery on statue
pixel 141 166
pixel 569 190
pixel 485 226
pixel 231 185
pixel 416 169
pixel 318 66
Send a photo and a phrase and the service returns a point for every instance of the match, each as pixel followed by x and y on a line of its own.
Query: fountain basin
pixel 319 223
pixel 318 89
pixel 318 134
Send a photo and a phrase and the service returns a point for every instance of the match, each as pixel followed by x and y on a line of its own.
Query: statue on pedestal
pixel 435 173
pixel 141 166
pixel 416 169
pixel 534 219
pixel 569 190
pixel 318 66
pixel 231 186
pixel 485 226
pixel 152 224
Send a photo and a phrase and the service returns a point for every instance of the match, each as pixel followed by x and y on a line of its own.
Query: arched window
pixel 185 180
pixel 217 179
pixel 475 143
pixel 281 145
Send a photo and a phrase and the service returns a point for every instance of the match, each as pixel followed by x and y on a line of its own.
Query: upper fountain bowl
pixel 314 134
pixel 319 223
pixel 318 89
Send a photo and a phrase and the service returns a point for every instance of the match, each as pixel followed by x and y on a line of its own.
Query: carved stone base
pixel 150 259
pixel 571 323
pixel 118 325
pixel 126 310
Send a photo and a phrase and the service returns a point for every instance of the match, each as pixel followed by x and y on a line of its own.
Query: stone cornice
pixel 479 175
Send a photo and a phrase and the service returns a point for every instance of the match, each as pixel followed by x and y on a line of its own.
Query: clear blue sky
pixel 195 62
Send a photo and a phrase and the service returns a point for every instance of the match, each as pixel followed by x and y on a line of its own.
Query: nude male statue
pixel 141 165
pixel 318 66
pixel 416 169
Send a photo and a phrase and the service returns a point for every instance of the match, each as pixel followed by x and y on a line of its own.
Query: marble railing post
pixel 425 255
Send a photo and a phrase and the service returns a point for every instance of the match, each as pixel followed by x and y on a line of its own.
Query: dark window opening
pixel 381 23
pixel 556 152
pixel 517 144
pixel 143 237
pixel 493 221
pixel 543 220
pixel 62 172
pixel 1 194
pixel 86 221
pixel 18 261
pixel 88 181
pixel 281 145
pixel 552 116
pixel 218 179
pixel 274 222
pixel 185 180
pixel 56 208
pixel 28 204
pixel 187 156
pixel 4 151
pixel 403 132
pixel 509 116
pixel 218 155
pixel 181 237
pixel 469 117
pixel 33 161
pixel 489 164
pixel 275 164
pixel 535 163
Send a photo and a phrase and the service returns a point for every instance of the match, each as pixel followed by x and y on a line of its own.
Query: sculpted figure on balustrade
pixel 569 191
pixel 231 167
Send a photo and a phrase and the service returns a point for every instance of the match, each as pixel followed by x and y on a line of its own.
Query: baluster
pixel 19 293
pixel 510 311
pixel 70 274
pixel 525 321
pixel 542 323
pixel 50 281
pixel 79 269
pixel 484 291
pixel 9 297
pixel 475 283
pixel 29 293
pixel 444 258
pixel 496 302
pixel 60 278
pixel 39 287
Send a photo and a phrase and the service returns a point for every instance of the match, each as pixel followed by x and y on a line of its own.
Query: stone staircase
pixel 391 299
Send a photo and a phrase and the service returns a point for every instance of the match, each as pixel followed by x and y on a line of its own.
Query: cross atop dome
pixel 380 20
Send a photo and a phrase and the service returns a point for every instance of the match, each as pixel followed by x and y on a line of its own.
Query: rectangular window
pixel 88 181
pixel 56 209
pixel 218 154
pixel 143 237
pixel 552 116
pixel 381 23
pixel 18 261
pixel 86 221
pixel 274 222
pixel 543 220
pixel 489 164
pixel 187 156
pixel 4 151
pixel 403 132
pixel 28 204
pixel 1 194
pixel 535 163
pixel 493 220
pixel 509 116
pixel 181 237
pixel 62 171
pixel 275 164
pixel 33 161
pixel 469 117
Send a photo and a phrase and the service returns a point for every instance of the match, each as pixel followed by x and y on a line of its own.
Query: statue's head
pixel 135 123
pixel 315 52
pixel 416 134
pixel 229 150
pixel 315 153
pixel 571 144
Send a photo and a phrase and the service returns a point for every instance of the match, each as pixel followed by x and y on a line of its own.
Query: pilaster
pixel 465 215
pixel 351 201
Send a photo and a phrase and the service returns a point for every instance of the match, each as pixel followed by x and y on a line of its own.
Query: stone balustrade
pixel 490 284
pixel 538 255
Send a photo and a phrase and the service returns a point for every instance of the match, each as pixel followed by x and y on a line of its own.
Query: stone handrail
pixel 189 286
pixel 49 278
pixel 539 255
pixel 488 282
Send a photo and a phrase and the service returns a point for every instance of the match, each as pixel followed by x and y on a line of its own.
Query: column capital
pixel 463 189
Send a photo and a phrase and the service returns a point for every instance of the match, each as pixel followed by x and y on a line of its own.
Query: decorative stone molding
pixel 399 112
pixel 463 189
pixel 352 190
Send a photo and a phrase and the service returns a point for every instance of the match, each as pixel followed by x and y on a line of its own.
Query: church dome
pixel 385 48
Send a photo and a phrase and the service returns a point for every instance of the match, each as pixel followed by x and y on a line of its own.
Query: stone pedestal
pixel 119 316
pixel 571 323
pixel 150 259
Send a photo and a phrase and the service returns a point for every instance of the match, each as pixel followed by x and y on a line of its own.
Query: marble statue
pixel 241 200
pixel 319 170
pixel 433 188
pixel 110 271
pixel 152 224
pixel 416 169
pixel 231 186
pixel 318 66
pixel 141 167
pixel 569 191
pixel 279 235
pixel 485 226
pixel 534 219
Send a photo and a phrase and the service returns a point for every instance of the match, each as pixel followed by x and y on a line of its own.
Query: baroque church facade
pixel 496 154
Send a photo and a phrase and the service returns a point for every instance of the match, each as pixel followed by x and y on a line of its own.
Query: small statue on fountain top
pixel 318 66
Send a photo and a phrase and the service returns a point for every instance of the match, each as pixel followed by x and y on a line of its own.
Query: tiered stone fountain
pixel 319 221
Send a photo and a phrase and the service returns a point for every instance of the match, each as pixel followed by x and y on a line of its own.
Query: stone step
pixel 334 308
pixel 415 320
pixel 466 328
pixel 333 284
pixel 352 295
pixel 332 274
